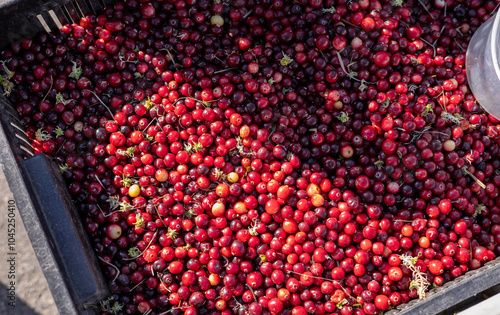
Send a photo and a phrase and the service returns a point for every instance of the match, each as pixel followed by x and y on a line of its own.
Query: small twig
pixel 122 58
pixel 170 310
pixel 162 221
pixel 251 290
pixel 122 209
pixel 238 304
pixel 334 281
pixel 432 45
pixel 102 103
pixel 440 32
pixel 224 70
pixel 247 14
pixel 144 249
pixel 407 221
pixel 347 22
pixel 116 268
pixel 341 62
pixel 425 8
pixel 145 128
pixel 459 46
pixel 100 183
pixel 138 284
pixel 171 57
pixel 466 172
pixel 62 145
pixel 50 88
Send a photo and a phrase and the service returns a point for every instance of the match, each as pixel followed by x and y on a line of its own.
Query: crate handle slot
pixel 66 13
pixel 84 7
pixel 55 18
pixel 9 110
pixel 18 128
pixel 21 138
pixel 26 150
pixel 71 11
pixel 105 3
pixel 78 9
pixel 93 5
pixel 44 24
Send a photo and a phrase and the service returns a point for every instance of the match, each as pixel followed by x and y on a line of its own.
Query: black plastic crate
pixel 54 227
pixel 53 223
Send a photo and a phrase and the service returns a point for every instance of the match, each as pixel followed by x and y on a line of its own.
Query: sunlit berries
pixel 247 158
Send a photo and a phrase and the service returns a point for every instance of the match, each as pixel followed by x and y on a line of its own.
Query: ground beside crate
pixel 488 306
pixel 32 292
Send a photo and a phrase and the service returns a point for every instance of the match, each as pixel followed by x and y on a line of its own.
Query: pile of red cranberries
pixel 268 157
